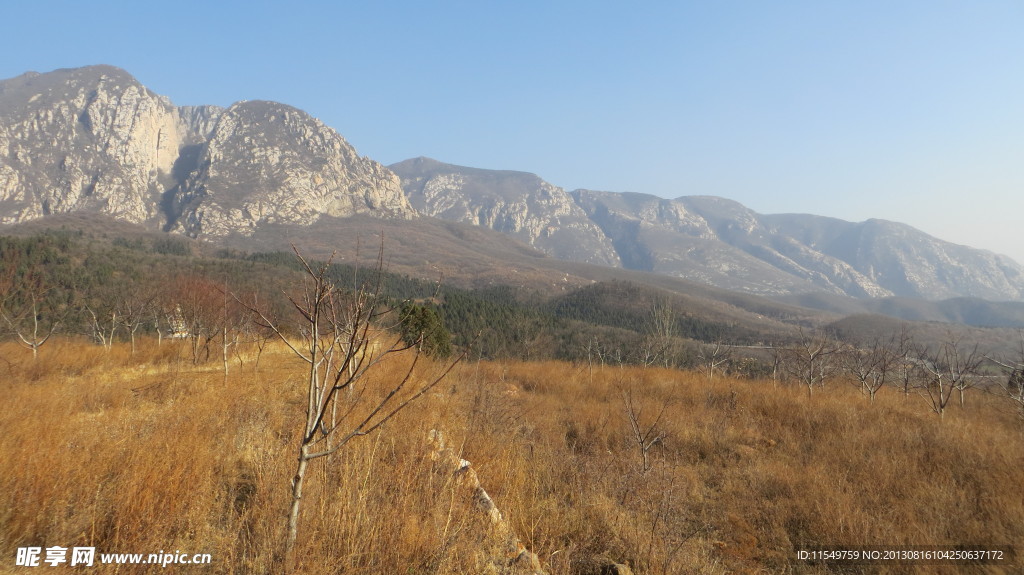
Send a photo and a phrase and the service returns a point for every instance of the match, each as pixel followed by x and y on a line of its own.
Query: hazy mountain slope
pixel 722 242
pixel 517 203
pixel 906 261
pixel 710 239
pixel 665 236
pixel 968 311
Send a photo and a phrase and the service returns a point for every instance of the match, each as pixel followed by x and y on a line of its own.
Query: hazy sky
pixel 907 111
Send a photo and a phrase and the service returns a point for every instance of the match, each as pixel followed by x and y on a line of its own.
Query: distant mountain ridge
pixel 718 241
pixel 94 140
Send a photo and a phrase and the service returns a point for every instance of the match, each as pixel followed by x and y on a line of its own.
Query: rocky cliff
pixel 266 162
pixel 516 203
pixel 90 139
pixel 94 139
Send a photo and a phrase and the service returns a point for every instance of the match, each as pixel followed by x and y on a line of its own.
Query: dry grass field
pixel 657 469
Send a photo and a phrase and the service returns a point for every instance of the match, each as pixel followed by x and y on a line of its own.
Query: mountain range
pixel 95 141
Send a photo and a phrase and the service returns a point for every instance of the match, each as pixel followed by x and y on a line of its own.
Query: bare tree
pixel 661 333
pixel 233 322
pixel 135 307
pixel 339 346
pixel 101 311
pixel 645 435
pixel 906 365
pixel 29 306
pixel 963 364
pixel 103 323
pixel 949 368
pixel 251 331
pixel 935 386
pixel 713 357
pixel 198 309
pixel 812 361
pixel 778 357
pixel 870 366
pixel 595 352
pixel 1012 386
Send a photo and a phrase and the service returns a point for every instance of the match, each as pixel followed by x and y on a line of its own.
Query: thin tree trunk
pixel 224 350
pixel 293 514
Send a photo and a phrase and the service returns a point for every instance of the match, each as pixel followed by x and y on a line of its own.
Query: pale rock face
pixel 516 203
pixel 84 140
pixel 270 163
pixel 94 139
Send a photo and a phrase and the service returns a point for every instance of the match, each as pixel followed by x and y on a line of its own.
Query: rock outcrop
pixel 516 203
pixel 502 553
pixel 88 139
pixel 270 163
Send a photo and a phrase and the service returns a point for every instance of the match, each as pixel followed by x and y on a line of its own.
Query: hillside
pixel 712 240
pixel 89 262
pixel 742 476
pixel 970 311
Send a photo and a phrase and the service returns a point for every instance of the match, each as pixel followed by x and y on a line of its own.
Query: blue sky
pixel 907 111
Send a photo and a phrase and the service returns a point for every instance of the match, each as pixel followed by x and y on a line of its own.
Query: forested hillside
pixel 110 289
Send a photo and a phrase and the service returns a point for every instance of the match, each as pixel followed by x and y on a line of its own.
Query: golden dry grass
pixel 147 452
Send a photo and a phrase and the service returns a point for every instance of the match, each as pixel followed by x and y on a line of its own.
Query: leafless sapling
pixel 870 366
pixel 645 434
pixel 907 367
pixel 713 357
pixel 100 304
pixel 662 330
pixel 29 306
pixel 339 339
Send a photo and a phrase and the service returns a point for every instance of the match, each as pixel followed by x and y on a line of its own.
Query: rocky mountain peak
pixel 95 139
pixel 90 139
pixel 270 163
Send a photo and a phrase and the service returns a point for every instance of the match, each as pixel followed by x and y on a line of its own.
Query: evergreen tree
pixel 422 324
